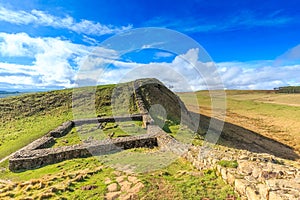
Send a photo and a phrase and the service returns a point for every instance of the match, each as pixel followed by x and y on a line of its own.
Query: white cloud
pixel 237 75
pixel 17 44
pixel 25 80
pixel 90 40
pixel 41 18
pixel 163 55
pixel 184 73
pixel 291 56
pixel 55 61
pixel 263 74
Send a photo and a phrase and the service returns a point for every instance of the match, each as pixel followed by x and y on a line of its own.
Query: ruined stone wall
pixel 23 160
pixel 167 142
pixel 62 130
pixel 139 99
pixel 257 176
pixel 40 143
pixel 37 153
pixel 80 122
pixel 147 119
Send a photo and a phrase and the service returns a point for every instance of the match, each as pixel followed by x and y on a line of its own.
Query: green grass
pixel 177 180
pixel 64 180
pixel 243 101
pixel 19 133
pixel 228 163
pixel 27 117
pixel 139 160
pixel 91 132
pixel 181 181
pixel 182 133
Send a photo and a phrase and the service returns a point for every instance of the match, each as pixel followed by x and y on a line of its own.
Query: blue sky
pixel 254 44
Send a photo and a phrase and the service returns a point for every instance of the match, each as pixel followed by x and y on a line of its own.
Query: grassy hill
pixel 27 117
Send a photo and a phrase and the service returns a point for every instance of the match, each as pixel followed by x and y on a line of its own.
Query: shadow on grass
pixel 241 138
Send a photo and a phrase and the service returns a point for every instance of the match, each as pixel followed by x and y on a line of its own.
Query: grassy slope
pixel 28 117
pixel 265 112
pixel 65 180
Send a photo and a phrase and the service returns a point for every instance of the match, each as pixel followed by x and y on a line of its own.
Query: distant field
pixel 9 94
pixel 267 97
pixel 270 114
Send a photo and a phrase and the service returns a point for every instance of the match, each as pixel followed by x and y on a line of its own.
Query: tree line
pixel 288 89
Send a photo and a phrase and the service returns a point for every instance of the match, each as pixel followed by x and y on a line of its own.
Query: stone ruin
pixel 257 176
pixel 37 154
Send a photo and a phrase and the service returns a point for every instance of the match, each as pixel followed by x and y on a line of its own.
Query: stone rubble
pixel 257 176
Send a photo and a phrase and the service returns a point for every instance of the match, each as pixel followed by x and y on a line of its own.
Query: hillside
pixel 269 114
pixel 241 164
pixel 27 117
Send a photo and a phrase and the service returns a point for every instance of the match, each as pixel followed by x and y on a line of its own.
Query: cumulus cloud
pixel 263 74
pixel 58 63
pixel 237 75
pixel 55 61
pixel 26 80
pixel 42 18
pixel 184 73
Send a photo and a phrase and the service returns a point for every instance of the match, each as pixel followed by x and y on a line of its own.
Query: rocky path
pixel 123 187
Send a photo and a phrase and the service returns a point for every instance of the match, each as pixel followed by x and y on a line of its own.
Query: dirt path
pixel 7 157
pixel 279 103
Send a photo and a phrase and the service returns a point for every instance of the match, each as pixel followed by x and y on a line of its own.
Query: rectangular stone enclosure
pixel 38 153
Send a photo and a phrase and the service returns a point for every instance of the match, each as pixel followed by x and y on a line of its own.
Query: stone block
pixel 224 174
pixel 244 167
pixel 252 193
pixel 240 186
pixel 256 172
pixel 263 191
pixel 230 178
pixel 275 195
